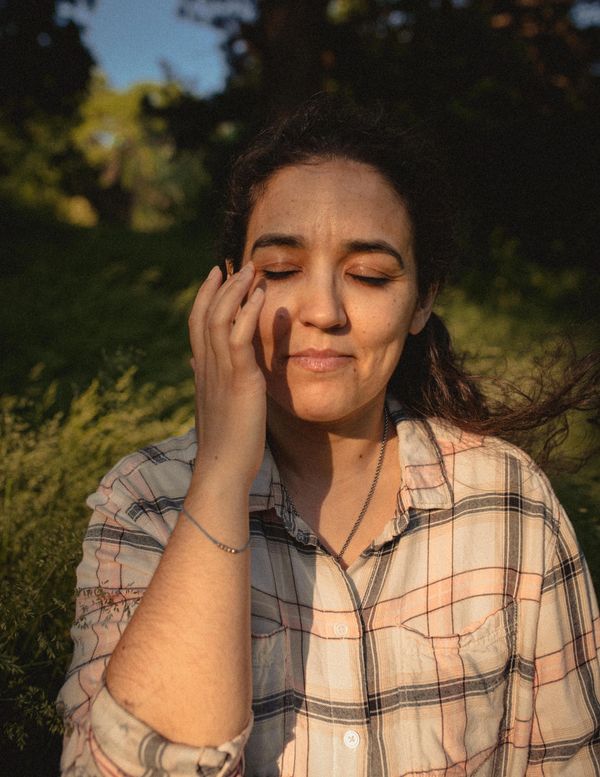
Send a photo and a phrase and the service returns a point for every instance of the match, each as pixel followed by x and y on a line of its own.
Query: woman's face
pixel 332 246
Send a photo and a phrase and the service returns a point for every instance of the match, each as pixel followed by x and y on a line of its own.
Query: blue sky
pixel 129 38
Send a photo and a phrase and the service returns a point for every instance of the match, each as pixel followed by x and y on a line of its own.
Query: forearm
pixel 183 665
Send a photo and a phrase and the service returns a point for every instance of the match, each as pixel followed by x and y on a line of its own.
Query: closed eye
pixel 371 280
pixel 278 275
pixel 368 280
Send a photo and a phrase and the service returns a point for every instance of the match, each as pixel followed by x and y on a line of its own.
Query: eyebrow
pixel 350 247
pixel 374 247
pixel 276 239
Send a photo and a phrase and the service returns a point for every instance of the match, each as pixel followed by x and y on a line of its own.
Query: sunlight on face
pixel 332 246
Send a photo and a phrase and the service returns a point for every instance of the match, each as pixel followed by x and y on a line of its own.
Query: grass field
pixel 94 363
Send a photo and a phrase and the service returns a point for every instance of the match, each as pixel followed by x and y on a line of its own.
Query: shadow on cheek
pixel 281 338
pixel 277 350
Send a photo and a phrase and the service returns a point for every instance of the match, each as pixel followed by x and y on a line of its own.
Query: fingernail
pixel 214 270
pixel 246 269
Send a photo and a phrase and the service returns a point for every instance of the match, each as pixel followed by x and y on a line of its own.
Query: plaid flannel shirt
pixel 463 641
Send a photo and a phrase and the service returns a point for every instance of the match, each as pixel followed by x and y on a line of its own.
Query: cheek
pixel 384 329
pixel 397 324
pixel 385 338
pixel 394 346
pixel 273 329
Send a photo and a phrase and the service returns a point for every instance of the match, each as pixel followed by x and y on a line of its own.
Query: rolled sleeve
pixel 111 741
pixel 118 739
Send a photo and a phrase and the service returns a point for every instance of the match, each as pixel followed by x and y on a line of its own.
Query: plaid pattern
pixel 463 641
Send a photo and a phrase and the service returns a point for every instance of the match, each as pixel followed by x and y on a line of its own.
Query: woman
pixel 412 600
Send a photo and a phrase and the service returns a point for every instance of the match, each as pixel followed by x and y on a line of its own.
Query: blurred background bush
pixel 108 204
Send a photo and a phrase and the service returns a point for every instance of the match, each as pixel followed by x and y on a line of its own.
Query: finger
pixel 242 334
pixel 210 292
pixel 197 317
pixel 207 289
pixel 232 287
pixel 223 309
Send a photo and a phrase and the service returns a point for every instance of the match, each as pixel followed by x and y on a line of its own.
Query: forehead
pixel 330 196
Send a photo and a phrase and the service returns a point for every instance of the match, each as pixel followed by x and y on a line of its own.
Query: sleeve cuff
pixel 137 750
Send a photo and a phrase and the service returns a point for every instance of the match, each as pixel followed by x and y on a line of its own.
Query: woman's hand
pixel 230 387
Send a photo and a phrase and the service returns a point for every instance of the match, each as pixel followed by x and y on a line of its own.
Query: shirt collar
pixel 424 479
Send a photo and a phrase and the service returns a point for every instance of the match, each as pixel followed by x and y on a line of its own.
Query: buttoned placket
pixel 350 738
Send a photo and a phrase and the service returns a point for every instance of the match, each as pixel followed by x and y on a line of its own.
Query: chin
pixel 320 404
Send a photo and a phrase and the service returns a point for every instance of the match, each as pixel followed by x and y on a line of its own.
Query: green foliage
pixel 114 161
pixel 133 156
pixel 38 164
pixel 50 466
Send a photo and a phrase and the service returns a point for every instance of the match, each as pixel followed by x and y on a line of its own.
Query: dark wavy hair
pixel 430 379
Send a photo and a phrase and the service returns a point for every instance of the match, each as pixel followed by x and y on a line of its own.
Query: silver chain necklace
pixel 367 501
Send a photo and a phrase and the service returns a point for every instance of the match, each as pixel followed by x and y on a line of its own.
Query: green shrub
pixel 49 467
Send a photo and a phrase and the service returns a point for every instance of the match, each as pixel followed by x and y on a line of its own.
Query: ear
pixel 423 311
pixel 229 267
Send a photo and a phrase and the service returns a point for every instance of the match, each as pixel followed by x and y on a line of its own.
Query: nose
pixel 322 303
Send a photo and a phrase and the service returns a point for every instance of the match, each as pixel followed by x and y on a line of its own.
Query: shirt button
pixel 351 739
pixel 340 629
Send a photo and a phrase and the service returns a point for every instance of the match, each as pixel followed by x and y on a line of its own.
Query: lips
pixel 314 353
pixel 315 360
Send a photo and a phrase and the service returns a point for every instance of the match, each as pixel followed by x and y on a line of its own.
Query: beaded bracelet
pixel 226 548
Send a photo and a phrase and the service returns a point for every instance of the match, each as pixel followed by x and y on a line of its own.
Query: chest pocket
pixel 454 692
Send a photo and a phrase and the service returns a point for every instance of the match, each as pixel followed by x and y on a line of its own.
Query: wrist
pixel 219 508
pixel 223 471
pixel 214 485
